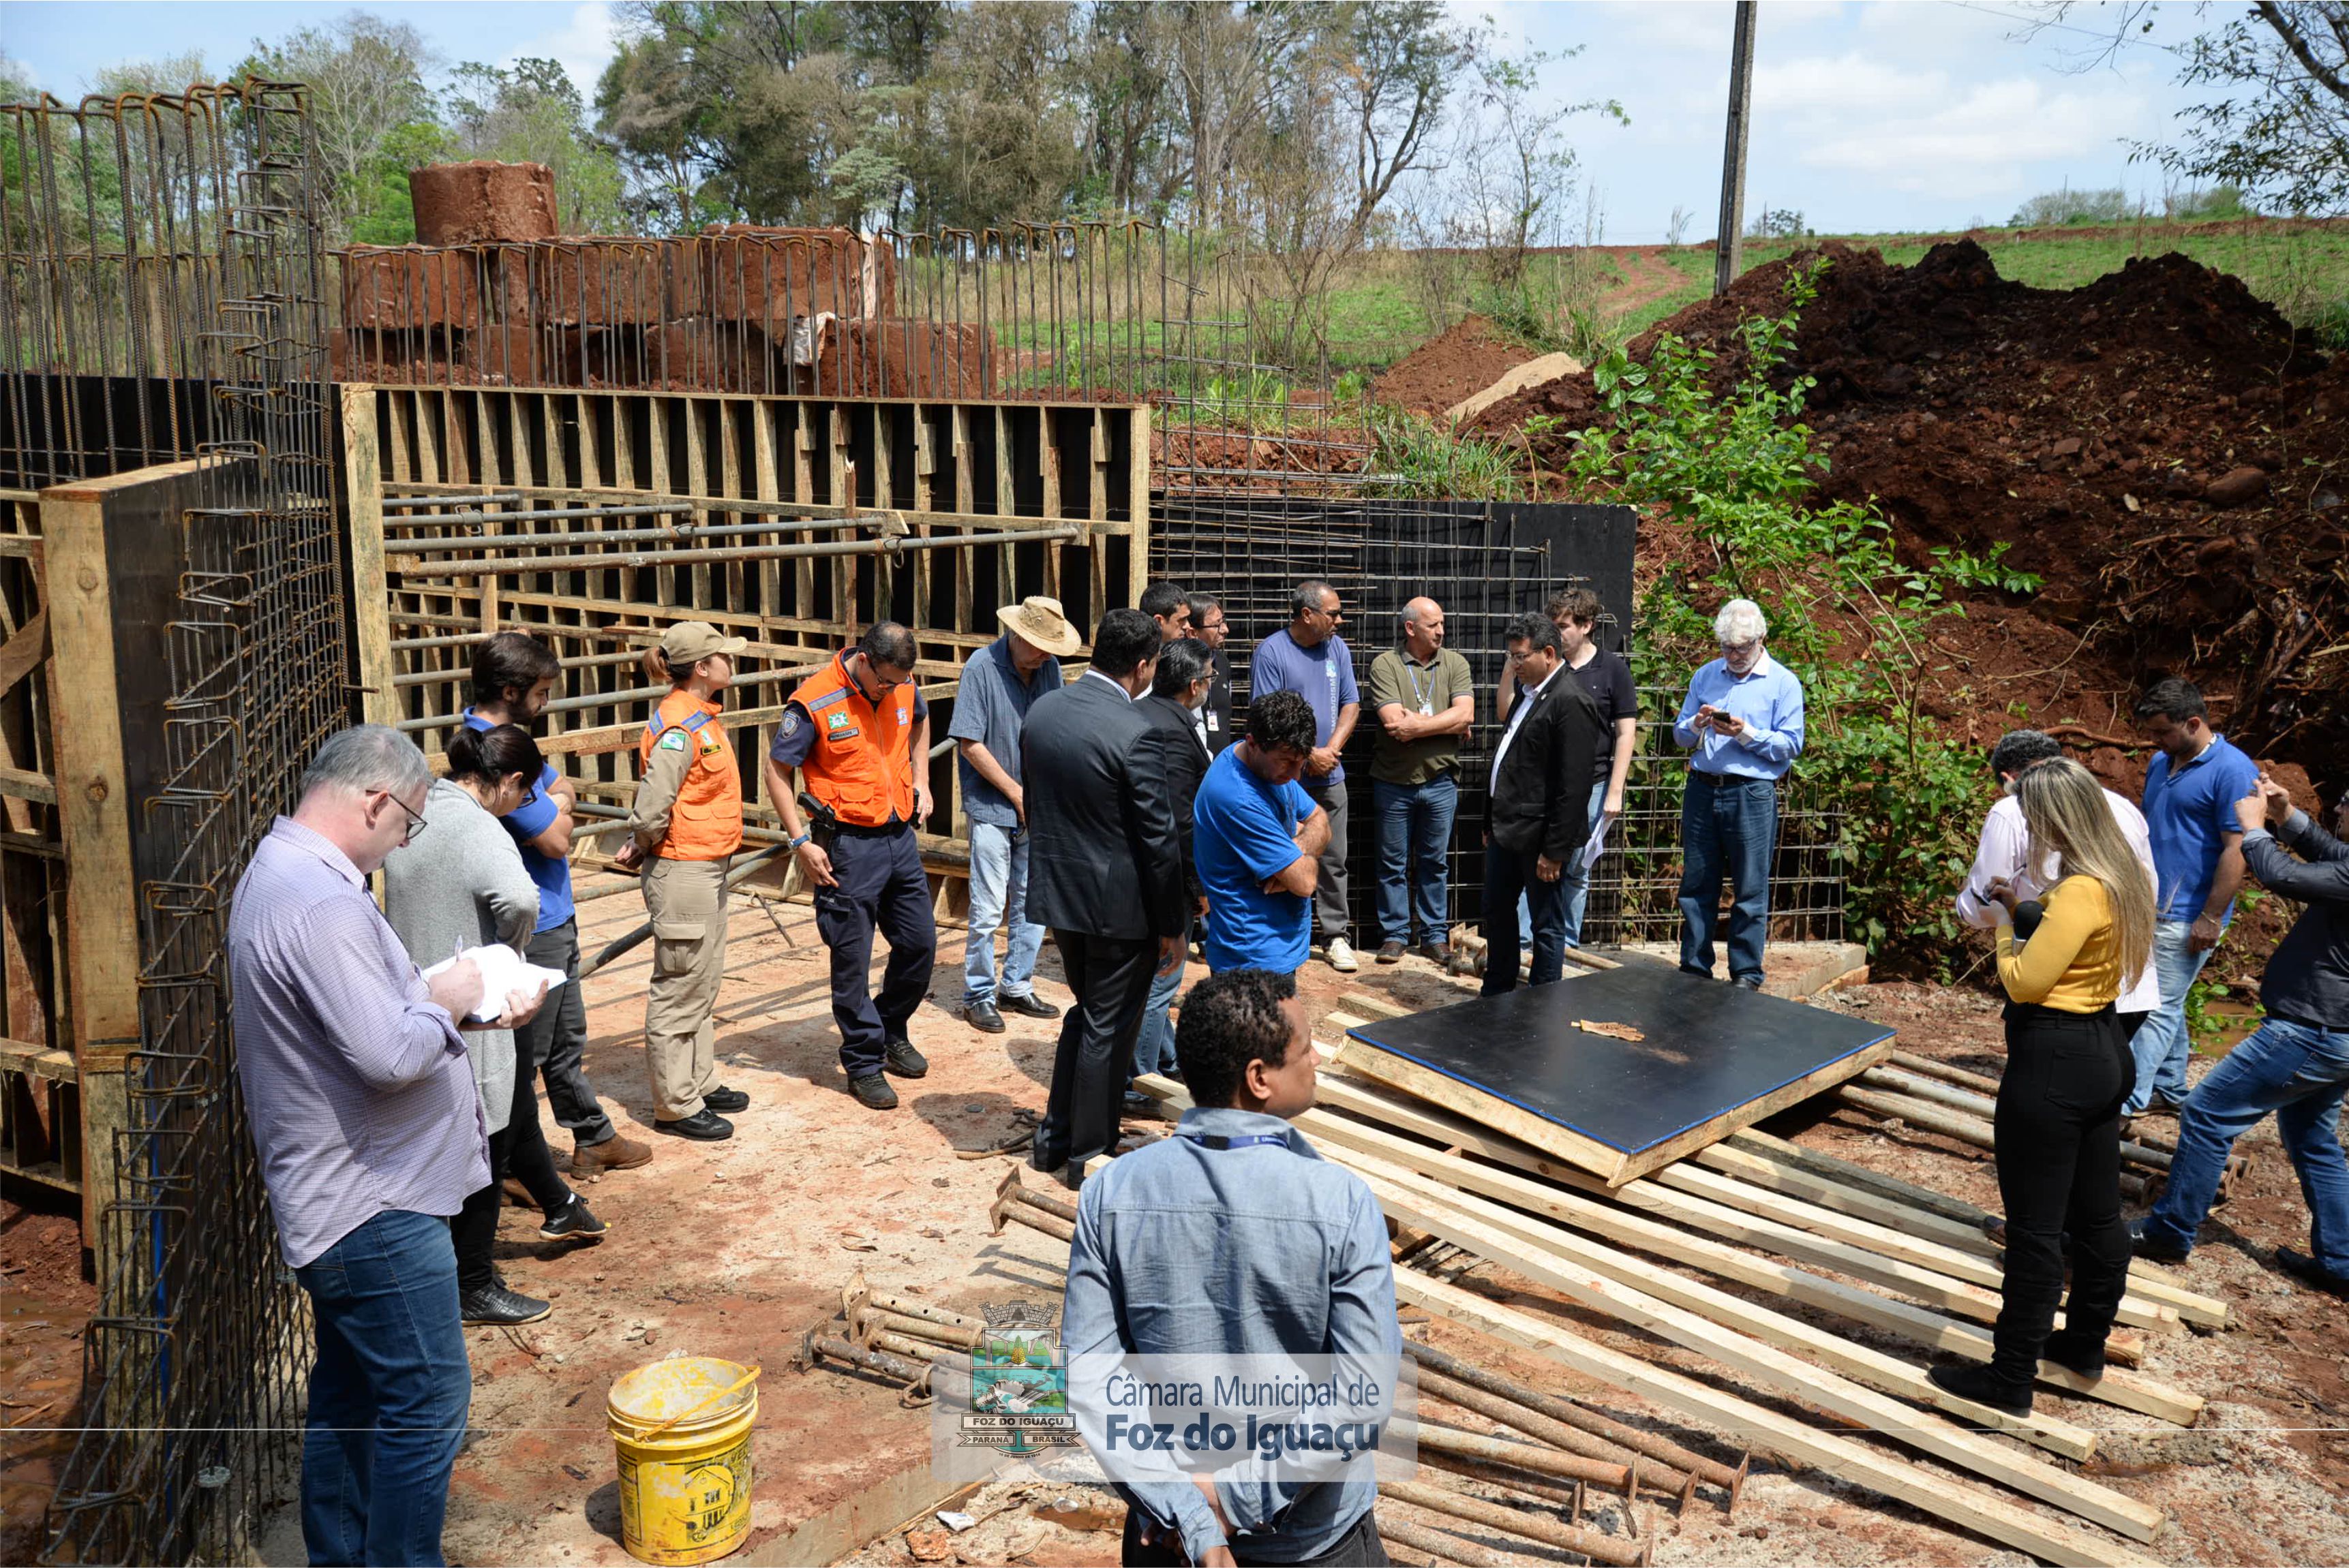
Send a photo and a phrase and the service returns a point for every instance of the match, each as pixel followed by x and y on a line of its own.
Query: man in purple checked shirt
pixel 370 1134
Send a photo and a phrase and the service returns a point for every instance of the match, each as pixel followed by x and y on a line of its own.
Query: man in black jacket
pixel 2296 1066
pixel 1538 816
pixel 1104 872
pixel 1172 708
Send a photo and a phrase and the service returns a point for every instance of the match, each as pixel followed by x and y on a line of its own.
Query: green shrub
pixel 1414 457
pixel 1846 613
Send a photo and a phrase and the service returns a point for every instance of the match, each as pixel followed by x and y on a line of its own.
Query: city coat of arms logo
pixel 1018 1384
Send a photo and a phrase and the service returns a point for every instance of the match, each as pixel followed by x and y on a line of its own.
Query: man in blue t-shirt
pixel 1256 836
pixel 2190 791
pixel 1308 657
pixel 512 681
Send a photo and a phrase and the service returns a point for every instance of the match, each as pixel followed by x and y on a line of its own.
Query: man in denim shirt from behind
pixel 1209 1242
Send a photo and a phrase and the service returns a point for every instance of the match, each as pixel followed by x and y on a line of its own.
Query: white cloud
pixel 585 45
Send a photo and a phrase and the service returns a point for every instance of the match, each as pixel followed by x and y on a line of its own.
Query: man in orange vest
pixel 683 827
pixel 860 733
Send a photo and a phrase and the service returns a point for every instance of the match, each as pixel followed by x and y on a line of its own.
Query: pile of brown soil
pixel 2159 446
pixel 1450 369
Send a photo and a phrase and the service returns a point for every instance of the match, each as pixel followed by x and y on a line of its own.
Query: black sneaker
pixel 1028 1006
pixel 2075 1353
pixel 704 1126
pixel 725 1102
pixel 574 1221
pixel 495 1307
pixel 872 1091
pixel 2152 1248
pixel 2311 1273
pixel 982 1016
pixel 1981 1386
pixel 899 1056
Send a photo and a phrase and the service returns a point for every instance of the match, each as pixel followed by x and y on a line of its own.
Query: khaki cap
pixel 1043 622
pixel 690 641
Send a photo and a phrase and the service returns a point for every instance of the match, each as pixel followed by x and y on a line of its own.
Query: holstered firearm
pixel 823 821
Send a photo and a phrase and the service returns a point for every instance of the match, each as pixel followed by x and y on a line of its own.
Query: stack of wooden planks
pixel 1775 1220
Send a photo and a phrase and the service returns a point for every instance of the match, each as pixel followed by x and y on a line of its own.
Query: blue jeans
pixel 2162 1047
pixel 1728 826
pixel 1508 876
pixel 2299 1073
pixel 1415 844
pixel 998 894
pixel 389 1392
pixel 1153 1048
pixel 1577 881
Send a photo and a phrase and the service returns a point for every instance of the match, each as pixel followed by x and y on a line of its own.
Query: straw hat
pixel 1043 622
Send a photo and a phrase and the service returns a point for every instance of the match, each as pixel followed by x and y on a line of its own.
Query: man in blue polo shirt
pixel 1308 657
pixel 1256 836
pixel 2190 791
pixel 512 681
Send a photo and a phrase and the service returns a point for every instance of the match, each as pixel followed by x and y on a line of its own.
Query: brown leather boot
pixel 617 1152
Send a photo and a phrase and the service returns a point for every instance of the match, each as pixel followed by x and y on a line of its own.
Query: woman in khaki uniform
pixel 685 827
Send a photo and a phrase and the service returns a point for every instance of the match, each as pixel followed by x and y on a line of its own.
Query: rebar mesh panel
pixel 194 274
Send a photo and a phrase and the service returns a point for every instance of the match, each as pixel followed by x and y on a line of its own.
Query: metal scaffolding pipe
pixel 551 515
pixel 437 570
pixel 614 536
pixel 607 698
pixel 501 498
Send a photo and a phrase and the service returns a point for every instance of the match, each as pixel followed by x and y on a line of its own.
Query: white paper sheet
pixel 1598 845
pixel 503 972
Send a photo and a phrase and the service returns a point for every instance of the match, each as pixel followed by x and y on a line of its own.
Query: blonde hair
pixel 2064 811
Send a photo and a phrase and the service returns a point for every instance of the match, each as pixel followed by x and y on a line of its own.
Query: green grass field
pixel 1377 315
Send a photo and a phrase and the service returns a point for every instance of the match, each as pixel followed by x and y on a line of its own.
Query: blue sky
pixel 1876 116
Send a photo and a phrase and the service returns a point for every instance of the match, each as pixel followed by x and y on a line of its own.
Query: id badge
pixel 1427 708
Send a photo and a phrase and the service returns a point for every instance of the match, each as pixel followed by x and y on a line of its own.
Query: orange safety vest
pixel 860 765
pixel 705 823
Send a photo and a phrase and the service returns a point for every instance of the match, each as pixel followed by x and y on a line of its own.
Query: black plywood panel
pixel 1709 1048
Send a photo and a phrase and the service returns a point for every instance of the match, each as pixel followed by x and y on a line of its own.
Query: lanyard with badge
pixel 1426 695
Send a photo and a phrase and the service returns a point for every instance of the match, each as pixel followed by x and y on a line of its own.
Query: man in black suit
pixel 1104 872
pixel 1538 816
pixel 1177 693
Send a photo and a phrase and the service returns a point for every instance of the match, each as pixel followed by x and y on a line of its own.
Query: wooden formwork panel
pixel 794 522
pixel 40 1132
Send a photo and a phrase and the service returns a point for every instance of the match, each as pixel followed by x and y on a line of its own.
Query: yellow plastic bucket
pixel 682 1430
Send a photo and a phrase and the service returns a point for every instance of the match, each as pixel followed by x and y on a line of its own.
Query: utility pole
pixel 1733 161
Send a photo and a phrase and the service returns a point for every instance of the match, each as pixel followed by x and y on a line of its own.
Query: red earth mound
pixel 1450 369
pixel 2159 446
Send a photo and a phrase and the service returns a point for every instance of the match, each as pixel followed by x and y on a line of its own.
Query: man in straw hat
pixel 999 684
pixel 859 732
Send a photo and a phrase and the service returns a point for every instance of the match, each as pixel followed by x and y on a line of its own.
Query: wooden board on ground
pixel 1712 1060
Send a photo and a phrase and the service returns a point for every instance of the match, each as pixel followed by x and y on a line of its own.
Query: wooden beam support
pixel 1967 1506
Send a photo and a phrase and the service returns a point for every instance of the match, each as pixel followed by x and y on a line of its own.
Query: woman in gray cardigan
pixel 461 883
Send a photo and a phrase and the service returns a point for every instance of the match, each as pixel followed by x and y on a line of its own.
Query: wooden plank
pixel 1719 1219
pixel 370 589
pixel 1725 1310
pixel 1967 1506
pixel 1556 1258
pixel 1844 1171
pixel 32 1058
pixel 17 784
pixel 1884 1240
pixel 24 651
pixel 1399 1072
pixel 1800 1285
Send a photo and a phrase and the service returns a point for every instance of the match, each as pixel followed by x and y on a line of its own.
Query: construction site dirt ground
pixel 734 1249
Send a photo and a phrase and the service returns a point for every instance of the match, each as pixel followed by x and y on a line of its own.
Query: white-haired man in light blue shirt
pixel 1743 722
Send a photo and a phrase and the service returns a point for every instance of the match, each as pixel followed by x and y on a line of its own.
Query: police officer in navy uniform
pixel 859 733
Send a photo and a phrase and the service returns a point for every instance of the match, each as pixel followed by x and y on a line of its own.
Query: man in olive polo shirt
pixel 1420 694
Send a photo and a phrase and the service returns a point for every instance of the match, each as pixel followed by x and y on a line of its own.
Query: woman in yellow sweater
pixel 2068 1070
